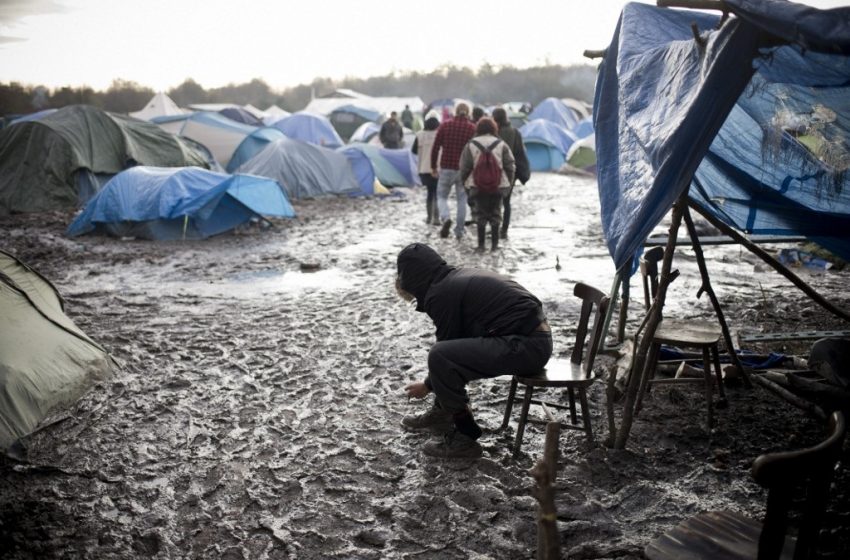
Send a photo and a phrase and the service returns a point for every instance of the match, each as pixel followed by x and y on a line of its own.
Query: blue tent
pixel 252 145
pixel 164 203
pixel 304 170
pixel 556 111
pixel 546 144
pixel 584 128
pixel 363 170
pixel 752 119
pixel 394 168
pixel 310 128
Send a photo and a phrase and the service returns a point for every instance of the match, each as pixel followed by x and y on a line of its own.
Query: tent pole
pixel 778 266
pixel 706 287
pixel 655 315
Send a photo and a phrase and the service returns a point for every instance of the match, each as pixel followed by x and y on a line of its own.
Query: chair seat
pixel 688 333
pixel 559 372
pixel 712 535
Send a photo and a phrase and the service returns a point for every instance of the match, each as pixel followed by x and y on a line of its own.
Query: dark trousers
pixel 506 209
pixel 454 363
pixel 430 183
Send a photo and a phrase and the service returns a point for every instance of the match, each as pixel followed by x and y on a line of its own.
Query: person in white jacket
pixel 422 146
pixel 486 200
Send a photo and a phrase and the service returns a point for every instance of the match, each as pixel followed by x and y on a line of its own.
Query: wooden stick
pixel 778 266
pixel 545 472
pixel 595 54
pixel 776 389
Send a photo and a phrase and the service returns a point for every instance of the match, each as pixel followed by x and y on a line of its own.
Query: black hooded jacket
pixel 466 302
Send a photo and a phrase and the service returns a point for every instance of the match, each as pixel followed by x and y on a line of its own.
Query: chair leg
pixel 715 357
pixel 585 414
pixel 523 418
pixel 509 406
pixel 709 382
pixel 572 396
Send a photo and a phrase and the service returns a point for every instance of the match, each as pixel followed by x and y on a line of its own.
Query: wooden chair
pixel 729 535
pixel 575 374
pixel 704 336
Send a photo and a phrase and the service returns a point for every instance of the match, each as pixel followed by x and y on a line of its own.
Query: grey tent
pixel 46 362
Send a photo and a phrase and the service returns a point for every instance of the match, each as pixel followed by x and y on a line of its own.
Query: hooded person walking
pixel 487 325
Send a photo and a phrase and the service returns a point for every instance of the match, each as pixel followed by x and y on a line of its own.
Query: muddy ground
pixel 256 410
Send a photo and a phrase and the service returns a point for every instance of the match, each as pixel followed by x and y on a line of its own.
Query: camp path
pixel 256 410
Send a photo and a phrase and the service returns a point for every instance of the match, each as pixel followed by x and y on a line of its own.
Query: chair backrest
pixel 784 473
pixel 649 272
pixel 591 297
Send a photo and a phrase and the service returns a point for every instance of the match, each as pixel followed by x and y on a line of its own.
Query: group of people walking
pixel 482 159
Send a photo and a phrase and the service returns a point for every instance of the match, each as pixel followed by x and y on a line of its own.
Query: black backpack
pixel 487 173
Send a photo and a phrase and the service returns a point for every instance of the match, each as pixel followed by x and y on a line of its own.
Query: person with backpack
pixel 487 168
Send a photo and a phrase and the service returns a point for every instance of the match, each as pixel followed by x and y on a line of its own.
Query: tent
pixel 274 113
pixel 555 111
pixel 365 132
pixel 241 115
pixel 582 154
pixel 751 120
pixel 160 105
pixel 546 144
pixel 60 161
pixel 38 115
pixel 363 170
pixel 218 133
pixel 393 168
pixel 304 170
pixel 187 203
pixel 310 128
pixel 583 128
pixel 252 145
pixel 348 118
pixel 46 361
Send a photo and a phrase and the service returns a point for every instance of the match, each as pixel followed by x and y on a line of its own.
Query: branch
pixel 693 4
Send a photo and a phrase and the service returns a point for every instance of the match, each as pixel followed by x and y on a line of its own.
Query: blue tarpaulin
pixel 555 111
pixel 170 203
pixel 753 119
pixel 310 128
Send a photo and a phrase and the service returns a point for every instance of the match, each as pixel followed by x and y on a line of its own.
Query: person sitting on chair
pixel 487 325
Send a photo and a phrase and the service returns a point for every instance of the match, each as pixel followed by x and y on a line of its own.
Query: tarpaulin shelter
pixel 304 170
pixel 546 144
pixel 252 145
pixel 59 161
pixel 241 115
pixel 38 115
pixel 365 132
pixel 347 119
pixel 310 128
pixel 745 116
pixel 362 168
pixel 218 133
pixel 186 203
pixel 46 361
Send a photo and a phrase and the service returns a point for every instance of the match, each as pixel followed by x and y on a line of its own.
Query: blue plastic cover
pixel 756 130
pixel 363 170
pixel 556 111
pixel 584 128
pixel 252 145
pixel 393 168
pixel 207 198
pixel 310 128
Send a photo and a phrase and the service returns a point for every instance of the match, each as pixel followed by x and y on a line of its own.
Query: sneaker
pixel 435 420
pixel 453 445
pixel 447 225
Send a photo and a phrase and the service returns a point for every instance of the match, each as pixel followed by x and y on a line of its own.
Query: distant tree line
pixel 487 85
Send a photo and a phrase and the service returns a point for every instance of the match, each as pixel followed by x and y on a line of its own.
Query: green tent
pixel 46 362
pixel 59 161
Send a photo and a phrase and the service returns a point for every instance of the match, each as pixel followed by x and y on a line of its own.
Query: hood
pixel 419 266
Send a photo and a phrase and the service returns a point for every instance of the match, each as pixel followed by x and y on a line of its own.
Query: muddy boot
pixel 481 237
pixel 447 227
pixel 494 238
pixel 453 445
pixel 436 420
pixel 429 208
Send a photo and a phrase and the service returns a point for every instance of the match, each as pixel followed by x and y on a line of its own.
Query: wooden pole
pixel 693 4
pixel 545 472
pixel 706 287
pixel 778 266
pixel 655 315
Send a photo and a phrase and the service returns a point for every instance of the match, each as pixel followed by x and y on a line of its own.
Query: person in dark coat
pixel 487 325
pixel 391 134
pixel 513 139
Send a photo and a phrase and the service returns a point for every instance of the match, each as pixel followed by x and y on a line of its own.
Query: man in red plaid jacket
pixel 451 138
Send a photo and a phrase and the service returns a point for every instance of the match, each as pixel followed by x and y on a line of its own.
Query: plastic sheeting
pixel 555 111
pixel 304 170
pixel 310 128
pixel 173 203
pixel 756 130
pixel 253 144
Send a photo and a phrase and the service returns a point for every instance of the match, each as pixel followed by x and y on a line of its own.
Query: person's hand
pixel 417 390
pixel 434 172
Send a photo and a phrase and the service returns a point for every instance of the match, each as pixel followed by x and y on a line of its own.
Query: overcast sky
pixel 160 43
